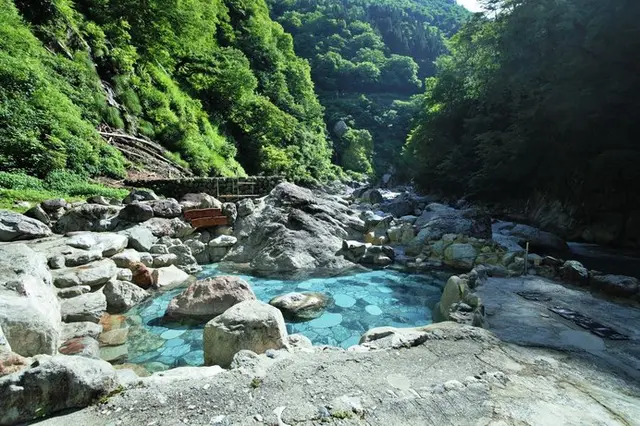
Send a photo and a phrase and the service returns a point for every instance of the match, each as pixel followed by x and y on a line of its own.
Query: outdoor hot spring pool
pixel 361 301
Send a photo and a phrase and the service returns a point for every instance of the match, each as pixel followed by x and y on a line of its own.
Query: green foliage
pixel 358 152
pixel 542 97
pixel 46 119
pixel 213 81
pixel 381 49
pixel 58 184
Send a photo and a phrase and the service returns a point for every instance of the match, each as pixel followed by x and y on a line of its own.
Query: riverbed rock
pixel 38 213
pixel 140 238
pixel 538 240
pixel 199 201
pixel 454 292
pixel 301 306
pixel 81 257
pixel 122 296
pixel 93 274
pixel 138 195
pixel 574 272
pixel 142 276
pixel 401 206
pixel 168 208
pixel 107 243
pixel 245 207
pixel 5 347
pixel 80 329
pixel 16 226
pixel 250 325
pixel 169 277
pixel 231 212
pixel 460 256
pixel 81 346
pixel 68 292
pixel 614 285
pixel 29 308
pixel 52 384
pixel 208 298
pixel 86 307
pixel 294 229
pixel 136 213
pixel 87 217
pixel 173 228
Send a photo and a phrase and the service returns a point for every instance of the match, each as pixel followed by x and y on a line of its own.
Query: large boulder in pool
pixel 301 306
pixel 206 299
pixel 295 228
pixel 250 325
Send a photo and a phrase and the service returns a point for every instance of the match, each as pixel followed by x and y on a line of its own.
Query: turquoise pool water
pixel 360 301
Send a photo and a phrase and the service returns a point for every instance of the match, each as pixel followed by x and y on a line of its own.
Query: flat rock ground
pixel 544 370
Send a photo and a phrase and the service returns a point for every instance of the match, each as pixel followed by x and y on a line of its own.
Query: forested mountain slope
pixel 540 98
pixel 368 57
pixel 216 82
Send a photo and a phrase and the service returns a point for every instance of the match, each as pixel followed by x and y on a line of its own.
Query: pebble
pixel 191 407
pixel 207 386
pixel 258 418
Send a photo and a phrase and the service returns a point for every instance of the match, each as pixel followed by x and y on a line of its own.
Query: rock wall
pixel 216 186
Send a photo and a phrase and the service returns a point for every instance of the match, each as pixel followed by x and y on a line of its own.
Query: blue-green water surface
pixel 361 301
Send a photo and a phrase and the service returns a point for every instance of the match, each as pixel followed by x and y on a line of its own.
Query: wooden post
pixel 217 188
pixel 526 259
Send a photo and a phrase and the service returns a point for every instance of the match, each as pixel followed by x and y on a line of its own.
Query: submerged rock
pixel 206 299
pixel 250 325
pixel 122 296
pixel 301 306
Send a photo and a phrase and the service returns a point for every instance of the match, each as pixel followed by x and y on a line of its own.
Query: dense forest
pixel 216 82
pixel 368 57
pixel 537 97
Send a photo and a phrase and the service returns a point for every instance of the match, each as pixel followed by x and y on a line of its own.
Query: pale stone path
pixel 459 376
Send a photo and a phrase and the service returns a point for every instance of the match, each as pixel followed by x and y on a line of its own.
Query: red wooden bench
pixel 205 218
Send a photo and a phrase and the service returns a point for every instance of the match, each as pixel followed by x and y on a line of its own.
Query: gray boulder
pixel 136 213
pixel 53 384
pixel 38 213
pixel 168 208
pixel 231 212
pixel 69 292
pixel 140 238
pixel 107 243
pixel 250 325
pixel 538 240
pixel 29 308
pixel 138 195
pixel 206 299
pixel 86 307
pixel 173 228
pixel 15 226
pixel 199 201
pixel 93 274
pixel 294 229
pixel 81 346
pixel 460 256
pixel 301 306
pixel 245 207
pixel 399 207
pixel 574 272
pixel 170 277
pixel 81 329
pixel 615 285
pixel 122 296
pixel 87 217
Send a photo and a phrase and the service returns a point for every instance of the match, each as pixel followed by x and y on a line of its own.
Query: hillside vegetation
pixel 541 96
pixel 216 82
pixel 368 57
